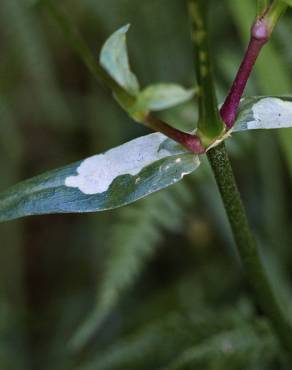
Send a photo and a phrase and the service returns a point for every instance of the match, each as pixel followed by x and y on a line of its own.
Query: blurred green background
pixel 156 284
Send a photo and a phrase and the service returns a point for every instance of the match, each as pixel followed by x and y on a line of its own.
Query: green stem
pixel 81 48
pixel 275 11
pixel 190 141
pixel 218 158
pixel 262 6
pixel 247 247
pixel 210 126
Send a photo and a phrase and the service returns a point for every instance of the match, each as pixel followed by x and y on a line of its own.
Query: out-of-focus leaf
pixel 264 113
pixel 104 181
pixel 133 241
pixel 289 2
pixel 162 96
pixel 114 59
pixel 244 347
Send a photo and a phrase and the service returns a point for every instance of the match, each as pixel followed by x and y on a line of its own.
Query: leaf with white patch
pixel 162 96
pixel 115 178
pixel 114 59
pixel 264 113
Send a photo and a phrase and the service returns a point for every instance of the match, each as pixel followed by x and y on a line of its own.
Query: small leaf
pixel 114 59
pixel 115 178
pixel 264 113
pixel 162 96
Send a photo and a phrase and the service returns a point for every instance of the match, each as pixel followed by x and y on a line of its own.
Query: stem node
pixel 261 31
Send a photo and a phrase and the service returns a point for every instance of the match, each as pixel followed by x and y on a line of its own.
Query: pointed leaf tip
pixel 105 181
pixel 114 59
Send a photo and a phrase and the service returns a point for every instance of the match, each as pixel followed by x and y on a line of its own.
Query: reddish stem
pixel 192 142
pixel 259 36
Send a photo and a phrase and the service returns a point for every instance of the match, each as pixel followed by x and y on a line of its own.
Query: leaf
pixel 264 113
pixel 189 340
pixel 289 2
pixel 133 240
pixel 115 178
pixel 244 346
pixel 114 59
pixel 142 349
pixel 162 96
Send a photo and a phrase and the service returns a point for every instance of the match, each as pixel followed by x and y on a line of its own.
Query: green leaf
pixel 162 96
pixel 289 2
pixel 264 113
pixel 133 240
pixel 244 346
pixel 115 178
pixel 114 59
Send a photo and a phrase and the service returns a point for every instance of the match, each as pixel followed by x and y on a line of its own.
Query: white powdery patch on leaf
pixel 271 113
pixel 95 174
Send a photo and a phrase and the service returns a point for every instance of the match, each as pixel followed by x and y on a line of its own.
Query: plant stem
pixel 219 161
pixel 191 142
pixel 259 36
pixel 210 126
pixel 247 247
pixel 262 6
pixel 220 164
pixel 277 8
pixel 260 33
pixel 81 48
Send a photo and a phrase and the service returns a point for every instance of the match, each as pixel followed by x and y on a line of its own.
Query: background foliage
pixel 157 284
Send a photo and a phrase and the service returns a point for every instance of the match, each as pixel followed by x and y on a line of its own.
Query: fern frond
pixel 242 348
pixel 134 240
pixel 176 342
pixel 151 345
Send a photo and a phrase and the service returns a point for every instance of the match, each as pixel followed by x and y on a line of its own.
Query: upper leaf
pixel 264 113
pixel 114 59
pixel 162 96
pixel 105 181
